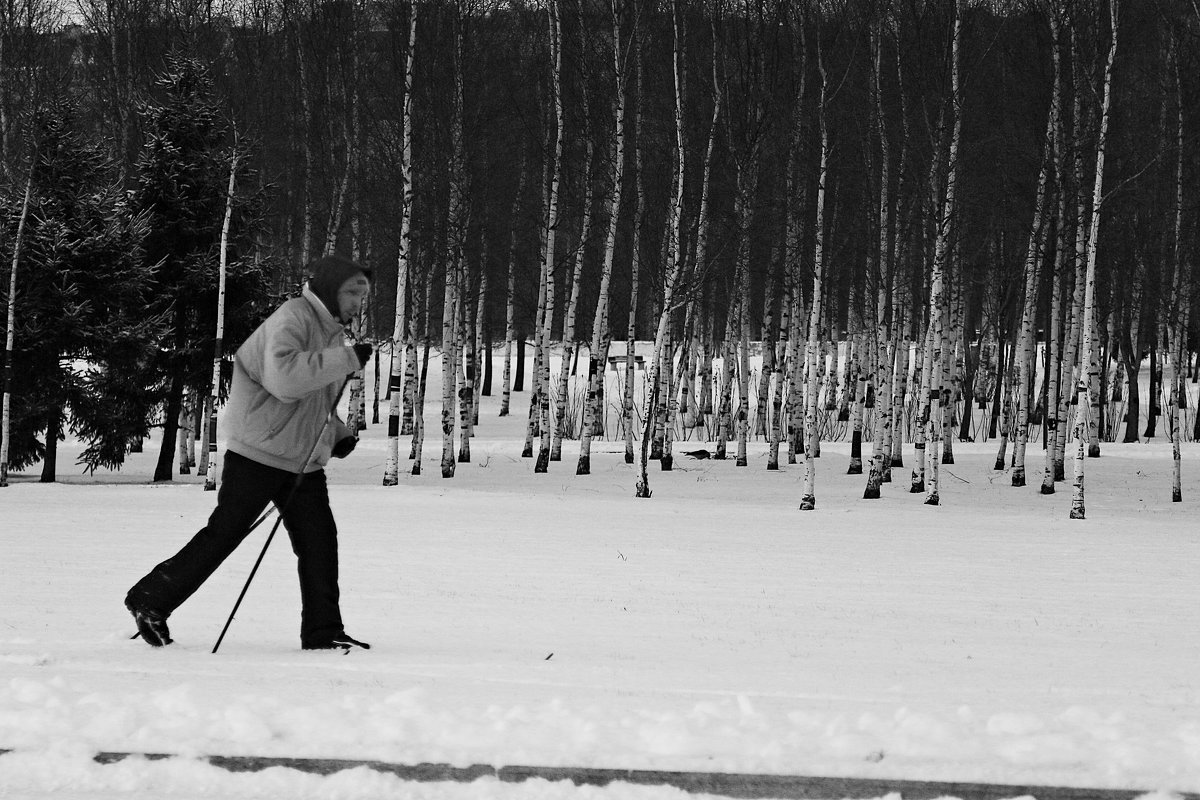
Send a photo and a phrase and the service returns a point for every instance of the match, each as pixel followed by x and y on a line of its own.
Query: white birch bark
pixel 880 469
pixel 1056 332
pixel 468 374
pixel 1182 294
pixel 455 266
pixel 857 408
pixel 674 254
pixel 401 342
pixel 509 299
pixel 794 403
pixel 895 456
pixel 921 390
pixel 779 353
pixel 449 359
pixel 543 460
pixel 482 357
pixel 593 409
pixel 10 335
pixel 1087 357
pixel 1025 349
pixel 208 461
pixel 808 500
pixel 936 283
pixel 569 334
pixel 418 441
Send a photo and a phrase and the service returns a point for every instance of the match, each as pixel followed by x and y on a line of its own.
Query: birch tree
pixel 401 343
pixel 809 500
pixel 455 262
pixel 592 408
pixel 936 283
pixel 10 334
pixel 1083 391
pixel 550 238
pixel 1025 349
pixel 209 465
pixel 569 343
pixel 675 264
pixel 509 297
pixel 1056 331
pixel 1181 295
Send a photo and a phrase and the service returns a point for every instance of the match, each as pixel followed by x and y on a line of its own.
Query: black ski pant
pixel 246 488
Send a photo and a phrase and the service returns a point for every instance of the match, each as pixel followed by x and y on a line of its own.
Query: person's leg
pixel 310 525
pixel 246 488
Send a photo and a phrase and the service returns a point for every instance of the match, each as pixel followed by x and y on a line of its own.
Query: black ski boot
pixel 151 625
pixel 338 641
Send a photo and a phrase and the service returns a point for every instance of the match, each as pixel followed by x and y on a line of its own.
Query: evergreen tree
pixel 182 175
pixel 82 333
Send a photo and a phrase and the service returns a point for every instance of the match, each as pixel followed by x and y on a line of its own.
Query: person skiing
pixel 287 378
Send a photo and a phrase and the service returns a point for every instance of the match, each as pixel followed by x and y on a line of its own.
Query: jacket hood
pixel 328 273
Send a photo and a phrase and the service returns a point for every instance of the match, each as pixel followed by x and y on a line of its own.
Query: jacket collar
pixel 323 314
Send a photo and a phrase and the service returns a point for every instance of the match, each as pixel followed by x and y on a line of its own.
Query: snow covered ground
pixel 557 620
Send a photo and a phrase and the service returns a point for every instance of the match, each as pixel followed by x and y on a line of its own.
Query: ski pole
pixel 287 501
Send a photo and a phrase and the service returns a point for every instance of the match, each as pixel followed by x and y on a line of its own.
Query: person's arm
pixel 290 372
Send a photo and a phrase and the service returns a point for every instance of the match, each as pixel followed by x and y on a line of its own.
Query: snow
pixel 557 620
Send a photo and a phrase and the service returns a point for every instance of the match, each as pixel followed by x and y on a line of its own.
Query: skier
pixel 286 379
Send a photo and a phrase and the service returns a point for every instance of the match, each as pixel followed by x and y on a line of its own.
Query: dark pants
pixel 246 489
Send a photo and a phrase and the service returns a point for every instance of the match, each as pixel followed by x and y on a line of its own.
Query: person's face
pixel 352 295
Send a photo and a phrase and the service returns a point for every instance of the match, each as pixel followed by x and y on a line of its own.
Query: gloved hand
pixel 363 351
pixel 344 446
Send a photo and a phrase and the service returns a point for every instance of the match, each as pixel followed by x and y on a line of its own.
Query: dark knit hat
pixel 328 273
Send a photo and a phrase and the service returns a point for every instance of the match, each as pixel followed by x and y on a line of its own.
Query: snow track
pixel 790 787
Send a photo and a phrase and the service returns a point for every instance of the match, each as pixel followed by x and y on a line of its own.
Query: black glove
pixel 363 351
pixel 344 446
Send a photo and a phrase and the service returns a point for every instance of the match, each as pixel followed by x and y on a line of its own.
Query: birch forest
pixel 902 224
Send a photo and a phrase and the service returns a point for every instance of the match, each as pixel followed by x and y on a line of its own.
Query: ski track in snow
pixel 557 620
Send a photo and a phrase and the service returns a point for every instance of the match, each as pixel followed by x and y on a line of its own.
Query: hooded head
pixel 329 274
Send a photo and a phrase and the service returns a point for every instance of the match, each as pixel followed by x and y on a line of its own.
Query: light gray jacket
pixel 286 377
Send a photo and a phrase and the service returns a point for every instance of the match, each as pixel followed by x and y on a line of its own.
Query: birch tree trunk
pixel 593 409
pixel 952 363
pixel 208 466
pixel 543 459
pixel 922 381
pixel 449 358
pixel 808 501
pixel 936 300
pixel 1027 341
pixel 468 373
pixel 880 460
pixel 639 210
pixel 400 340
pixel 1182 296
pixel 674 255
pixel 742 304
pixel 418 442
pixel 10 336
pixel 1083 391
pixel 858 410
pixel 1055 405
pixel 1070 366
pixel 509 299
pixel 895 458
pixel 483 355
pixel 569 344
pixel 779 353
pixel 455 266
pixel 793 406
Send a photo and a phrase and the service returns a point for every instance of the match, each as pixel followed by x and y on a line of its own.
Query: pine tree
pixel 81 329
pixel 181 186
